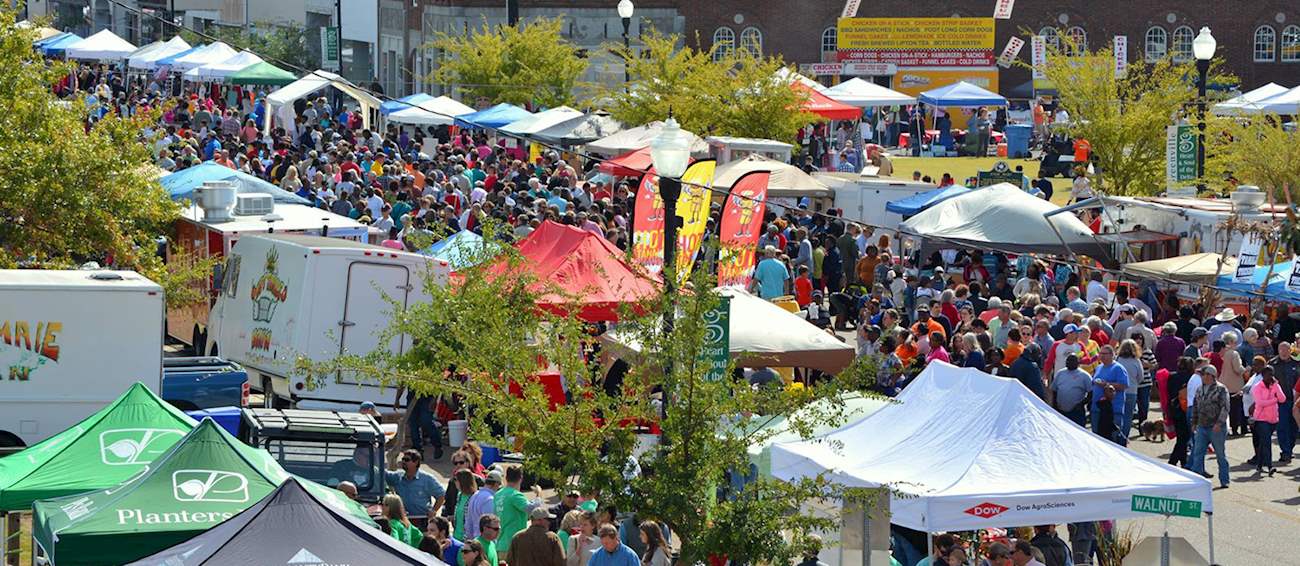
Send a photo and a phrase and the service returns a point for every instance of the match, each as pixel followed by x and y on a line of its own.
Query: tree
pixel 1124 119
pixel 527 64
pixel 73 192
pixel 484 333
pixel 278 43
pixel 1260 150
pixel 736 94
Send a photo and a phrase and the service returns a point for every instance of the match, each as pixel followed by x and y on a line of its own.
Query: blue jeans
pixel 1264 444
pixel 1286 429
pixel 1126 420
pixel 1077 415
pixel 422 427
pixel 1206 437
pixel 1143 403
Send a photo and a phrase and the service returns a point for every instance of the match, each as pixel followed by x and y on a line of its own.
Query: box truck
pixel 863 197
pixel 70 343
pixel 283 296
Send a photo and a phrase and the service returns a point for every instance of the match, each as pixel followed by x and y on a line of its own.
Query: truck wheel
pixel 198 340
pixel 213 351
pixel 9 441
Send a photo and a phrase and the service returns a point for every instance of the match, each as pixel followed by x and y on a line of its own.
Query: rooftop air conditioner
pixel 254 204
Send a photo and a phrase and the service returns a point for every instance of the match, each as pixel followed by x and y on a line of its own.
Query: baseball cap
pixel 494 476
pixel 540 513
pixel 1209 369
pixel 1198 332
pixel 1070 328
pixel 1127 308
pixel 367 405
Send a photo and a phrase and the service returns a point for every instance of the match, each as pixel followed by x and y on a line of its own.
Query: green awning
pixel 262 74
pixel 107 448
pixel 206 478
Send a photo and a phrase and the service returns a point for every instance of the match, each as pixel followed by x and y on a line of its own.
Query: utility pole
pixel 512 13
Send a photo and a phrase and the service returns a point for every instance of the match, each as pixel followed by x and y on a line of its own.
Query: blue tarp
pixel 181 184
pixel 961 94
pixel 403 103
pixel 493 117
pixel 171 59
pixel 1276 290
pixel 46 41
pixel 56 47
pixel 460 250
pixel 921 201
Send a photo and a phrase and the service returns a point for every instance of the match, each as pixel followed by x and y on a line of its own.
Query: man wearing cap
pixel 1197 343
pixel 771 275
pixel 1069 390
pixel 1067 345
pixel 568 503
pixel 1223 324
pixel 1286 368
pixel 480 504
pixel 1210 417
pixel 536 545
pixel 925 325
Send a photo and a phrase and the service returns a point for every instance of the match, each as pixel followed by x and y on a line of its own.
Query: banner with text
pixel 1002 11
pixel 693 209
pixel 1038 55
pixel 850 8
pixel 1247 259
pixel 717 340
pixel 926 42
pixel 648 225
pixel 1180 154
pixel 1010 52
pixel 742 224
pixel 1121 56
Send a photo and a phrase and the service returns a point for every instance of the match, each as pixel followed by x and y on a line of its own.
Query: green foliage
pixel 740 94
pixel 487 325
pixel 278 43
pixel 1123 118
pixel 528 64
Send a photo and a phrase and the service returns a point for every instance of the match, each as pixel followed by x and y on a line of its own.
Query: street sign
pixel 1001 173
pixel 717 340
pixel 1166 506
pixel 329 48
pixel 870 69
pixel 1180 153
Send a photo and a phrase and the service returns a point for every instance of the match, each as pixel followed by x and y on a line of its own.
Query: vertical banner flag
pixel 1038 50
pixel 1010 52
pixel 742 223
pixel 648 225
pixel 1247 259
pixel 1180 154
pixel 1121 56
pixel 693 209
pixel 1003 9
pixel 717 340
pixel 1293 278
pixel 850 8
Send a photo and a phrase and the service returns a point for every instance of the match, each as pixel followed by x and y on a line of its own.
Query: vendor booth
pixel 962 94
pixel 1195 269
pixel 280 102
pixel 148 60
pixel 639 137
pixel 532 124
pixel 219 71
pixel 726 149
pixel 494 117
pixel 785 180
pixel 56 45
pixel 261 74
pixel 1287 103
pixel 390 106
pixel 439 111
pixel 102 46
pixel 917 203
pixel 462 249
pixel 824 106
pixel 580 130
pixel 866 94
pixel 1248 103
pixel 206 55
pixel 1275 275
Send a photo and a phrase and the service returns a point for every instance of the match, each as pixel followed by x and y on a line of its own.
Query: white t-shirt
pixel 1097 291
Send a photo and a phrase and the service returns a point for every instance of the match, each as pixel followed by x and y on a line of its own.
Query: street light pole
pixel 671 154
pixel 1203 48
pixel 625 9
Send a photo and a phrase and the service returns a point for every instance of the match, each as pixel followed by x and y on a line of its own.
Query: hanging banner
pixel 1180 154
pixel 1003 9
pixel 742 223
pixel 1121 56
pixel 693 209
pixel 1010 52
pixel 850 8
pixel 1248 259
pixel 648 225
pixel 329 48
pixel 1293 278
pixel 916 42
pixel 717 340
pixel 1038 52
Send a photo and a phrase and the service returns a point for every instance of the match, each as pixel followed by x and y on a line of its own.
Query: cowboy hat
pixel 1225 315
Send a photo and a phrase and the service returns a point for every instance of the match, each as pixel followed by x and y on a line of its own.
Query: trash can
pixel 1017 139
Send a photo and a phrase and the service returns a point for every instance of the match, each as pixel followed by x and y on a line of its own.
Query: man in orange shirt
pixel 1013 348
pixel 926 325
pixel 866 267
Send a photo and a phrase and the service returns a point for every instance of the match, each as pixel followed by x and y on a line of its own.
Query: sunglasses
pixel 458 462
pixel 467 551
pixel 408 459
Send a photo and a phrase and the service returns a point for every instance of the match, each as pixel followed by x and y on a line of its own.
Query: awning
pixel 181 184
pixel 921 201
pixel 866 94
pixel 580 130
pixel 1196 268
pixel 963 95
pixel 390 106
pixel 206 55
pixel 822 105
pixel 281 101
pixel 148 60
pixel 223 69
pixel 639 137
pixel 493 117
pixel 631 164
pixel 261 74
pixel 530 125
pixel 1285 103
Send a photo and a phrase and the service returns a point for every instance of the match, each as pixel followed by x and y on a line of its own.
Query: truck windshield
pixel 327 463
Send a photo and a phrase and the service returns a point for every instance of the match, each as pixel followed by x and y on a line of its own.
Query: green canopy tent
pixel 206 478
pixel 261 74
pixel 106 449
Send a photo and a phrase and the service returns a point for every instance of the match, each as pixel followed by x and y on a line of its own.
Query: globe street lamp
pixel 671 154
pixel 1203 49
pixel 625 9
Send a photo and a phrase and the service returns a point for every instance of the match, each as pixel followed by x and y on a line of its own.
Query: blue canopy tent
pixel 961 94
pixel 1276 289
pixel 493 117
pixel 171 59
pixel 181 184
pixel 404 102
pixel 46 40
pixel 460 250
pixel 56 47
pixel 921 201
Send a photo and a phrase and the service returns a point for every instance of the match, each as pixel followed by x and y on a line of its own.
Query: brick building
pixel 1260 41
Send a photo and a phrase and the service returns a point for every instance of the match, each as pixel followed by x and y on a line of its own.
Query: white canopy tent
pixel 149 60
pixel 1285 103
pixel 967 450
pixel 103 46
pixel 281 101
pixel 541 121
pixel 219 71
pixel 785 180
pixel 639 137
pixel 145 50
pixel 866 94
pixel 440 111
pixel 1249 102
pixel 206 55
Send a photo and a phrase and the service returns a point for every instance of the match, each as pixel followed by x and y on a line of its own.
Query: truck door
pixel 366 313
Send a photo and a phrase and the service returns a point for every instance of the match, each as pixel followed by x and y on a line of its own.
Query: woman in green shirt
pixel 465 487
pixel 400 527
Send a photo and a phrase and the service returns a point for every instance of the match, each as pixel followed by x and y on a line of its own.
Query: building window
pixel 1265 44
pixel 724 41
pixel 1078 44
pixel 830 42
pixel 1050 38
pixel 1182 44
pixel 1157 44
pixel 1291 44
pixel 751 40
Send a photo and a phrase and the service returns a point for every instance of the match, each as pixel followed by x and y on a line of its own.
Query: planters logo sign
pixel 986 510
pixel 267 294
pixel 27 346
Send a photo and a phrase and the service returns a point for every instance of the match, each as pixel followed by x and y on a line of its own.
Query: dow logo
pixel 209 485
pixel 135 446
pixel 305 557
pixel 986 510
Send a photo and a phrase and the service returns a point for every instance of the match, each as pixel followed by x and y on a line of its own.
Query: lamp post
pixel 1203 49
pixel 671 154
pixel 625 9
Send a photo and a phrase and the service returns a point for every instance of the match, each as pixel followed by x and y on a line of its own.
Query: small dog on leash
pixel 1152 431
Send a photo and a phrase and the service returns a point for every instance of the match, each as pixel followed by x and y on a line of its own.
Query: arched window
pixel 1291 44
pixel 724 41
pixel 1050 37
pixel 1181 47
pixel 1078 44
pixel 830 41
pixel 1265 44
pixel 1157 43
pixel 751 40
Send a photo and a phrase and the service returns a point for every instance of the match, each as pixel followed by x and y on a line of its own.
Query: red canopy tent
pixel 824 106
pixel 631 164
pixel 586 266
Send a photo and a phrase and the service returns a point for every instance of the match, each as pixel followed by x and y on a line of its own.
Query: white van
pixel 863 197
pixel 70 343
pixel 285 296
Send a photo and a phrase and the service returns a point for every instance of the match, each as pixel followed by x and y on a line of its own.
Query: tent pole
pixel 929 544
pixel 1209 519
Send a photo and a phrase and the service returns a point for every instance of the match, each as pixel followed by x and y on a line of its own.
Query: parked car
pixel 327 447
